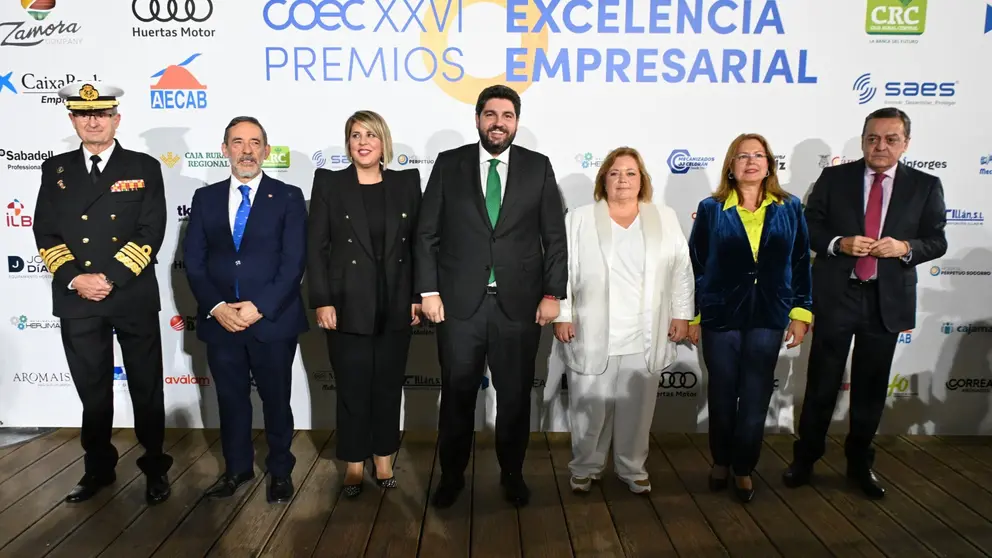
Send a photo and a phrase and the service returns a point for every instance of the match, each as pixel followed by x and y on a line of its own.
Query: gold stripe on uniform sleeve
pixel 55 257
pixel 134 258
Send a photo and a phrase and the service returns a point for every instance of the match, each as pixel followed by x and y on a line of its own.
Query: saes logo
pixel 177 88
pixel 896 92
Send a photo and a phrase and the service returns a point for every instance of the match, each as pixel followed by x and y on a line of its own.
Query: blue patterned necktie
pixel 240 219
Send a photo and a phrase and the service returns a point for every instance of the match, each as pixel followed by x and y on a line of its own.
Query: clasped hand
pixel 237 316
pixel 861 246
pixel 92 286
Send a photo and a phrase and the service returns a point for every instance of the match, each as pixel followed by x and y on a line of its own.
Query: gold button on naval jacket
pixel 403 215
pixel 88 263
pixel 114 239
pixel 347 217
pixel 85 217
pixel 85 240
pixel 353 262
pixel 349 240
pixel 112 216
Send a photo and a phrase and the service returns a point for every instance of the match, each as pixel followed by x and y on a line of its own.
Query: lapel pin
pixel 404 215
pixel 61 184
pixel 60 169
pixel 270 195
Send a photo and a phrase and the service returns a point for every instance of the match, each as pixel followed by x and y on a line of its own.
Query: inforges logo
pixel 172 11
pixel 896 17
pixel 177 88
pixel 530 60
pixel 26 34
pixel 681 162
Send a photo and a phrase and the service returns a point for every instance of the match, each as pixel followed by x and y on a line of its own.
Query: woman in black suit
pixel 360 268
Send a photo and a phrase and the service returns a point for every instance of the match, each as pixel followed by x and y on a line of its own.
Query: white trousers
pixel 618 406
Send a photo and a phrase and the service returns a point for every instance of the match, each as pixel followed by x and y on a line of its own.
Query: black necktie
pixel 95 169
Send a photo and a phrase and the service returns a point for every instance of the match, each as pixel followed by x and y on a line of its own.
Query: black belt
pixel 490 289
pixel 860 283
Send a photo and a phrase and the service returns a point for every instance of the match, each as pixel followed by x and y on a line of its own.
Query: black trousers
pixel 464 348
pixel 233 366
pixel 89 351
pixel 856 315
pixel 369 372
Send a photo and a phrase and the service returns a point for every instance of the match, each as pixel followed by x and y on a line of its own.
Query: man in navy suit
pixel 245 252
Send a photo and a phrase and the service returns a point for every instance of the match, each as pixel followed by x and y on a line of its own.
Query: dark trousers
pixel 465 346
pixel 89 351
pixel 741 366
pixel 233 367
pixel 856 314
pixel 369 372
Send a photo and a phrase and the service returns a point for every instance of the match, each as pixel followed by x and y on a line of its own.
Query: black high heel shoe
pixel 745 495
pixel 353 490
pixel 383 483
pixel 717 483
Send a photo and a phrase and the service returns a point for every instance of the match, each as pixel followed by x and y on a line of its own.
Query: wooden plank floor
pixel 939 503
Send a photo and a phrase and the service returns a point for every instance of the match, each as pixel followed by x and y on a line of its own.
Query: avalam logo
pixel 177 88
pixel 188 380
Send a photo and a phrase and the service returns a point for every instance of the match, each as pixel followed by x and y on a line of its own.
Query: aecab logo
pixel 177 88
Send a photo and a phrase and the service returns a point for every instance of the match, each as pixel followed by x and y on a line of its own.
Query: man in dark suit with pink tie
pixel 871 222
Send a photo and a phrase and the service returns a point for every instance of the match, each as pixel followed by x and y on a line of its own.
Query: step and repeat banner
pixel 676 79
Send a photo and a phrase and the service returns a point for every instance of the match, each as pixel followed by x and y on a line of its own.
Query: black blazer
pixel 115 227
pixel 341 263
pixel 916 214
pixel 456 243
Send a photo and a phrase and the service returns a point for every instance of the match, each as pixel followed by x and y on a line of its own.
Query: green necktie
pixel 492 202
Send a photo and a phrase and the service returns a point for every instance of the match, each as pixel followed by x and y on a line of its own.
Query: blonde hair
pixel 599 191
pixel 769 184
pixel 375 124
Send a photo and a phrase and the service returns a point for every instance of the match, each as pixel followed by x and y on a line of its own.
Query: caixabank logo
pixel 43 88
pixel 39 25
pixel 371 41
pixel 178 89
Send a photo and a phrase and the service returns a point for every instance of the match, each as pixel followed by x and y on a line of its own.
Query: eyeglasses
pixel 743 157
pixel 891 141
pixel 88 115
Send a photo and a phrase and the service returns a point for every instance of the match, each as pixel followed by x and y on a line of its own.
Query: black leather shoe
pixel 717 484
pixel 796 475
pixel 157 490
pixel 447 491
pixel 868 483
pixel 88 486
pixel 227 485
pixel 745 495
pixel 515 489
pixel 280 490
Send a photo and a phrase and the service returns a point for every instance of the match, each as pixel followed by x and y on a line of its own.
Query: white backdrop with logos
pixel 676 80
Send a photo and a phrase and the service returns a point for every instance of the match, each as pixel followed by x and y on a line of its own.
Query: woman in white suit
pixel 630 299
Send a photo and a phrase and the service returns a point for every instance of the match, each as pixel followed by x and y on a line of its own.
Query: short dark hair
pixel 238 120
pixel 497 92
pixel 888 112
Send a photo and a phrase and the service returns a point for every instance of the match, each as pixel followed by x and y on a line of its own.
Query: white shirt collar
pixel 253 183
pixel 485 156
pixel 889 172
pixel 104 155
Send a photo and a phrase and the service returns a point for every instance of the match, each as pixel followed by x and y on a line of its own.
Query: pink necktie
pixel 866 266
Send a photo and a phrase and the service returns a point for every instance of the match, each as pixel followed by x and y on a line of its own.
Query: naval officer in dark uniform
pixel 99 223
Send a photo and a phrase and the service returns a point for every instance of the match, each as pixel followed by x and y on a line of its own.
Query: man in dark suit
pixel 99 224
pixel 491 266
pixel 871 222
pixel 245 251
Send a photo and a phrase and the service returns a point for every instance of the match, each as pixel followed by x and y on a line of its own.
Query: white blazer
pixel 668 285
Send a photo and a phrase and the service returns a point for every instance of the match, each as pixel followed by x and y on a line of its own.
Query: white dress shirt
pixel 887 181
pixel 626 288
pixel 502 168
pixel 104 157
pixel 234 198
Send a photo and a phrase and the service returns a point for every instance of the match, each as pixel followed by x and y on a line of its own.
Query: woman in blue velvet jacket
pixel 750 254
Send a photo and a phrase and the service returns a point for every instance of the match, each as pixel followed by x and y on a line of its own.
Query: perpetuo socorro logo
pixel 936 271
pixel 680 161
pixel 906 92
pixel 178 89
pixel 183 12
pixel 388 56
pixel 896 17
pixel 404 160
pixel 38 26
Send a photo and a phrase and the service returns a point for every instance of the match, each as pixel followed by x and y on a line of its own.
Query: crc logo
pixel 678 380
pixel 896 17
pixel 192 10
